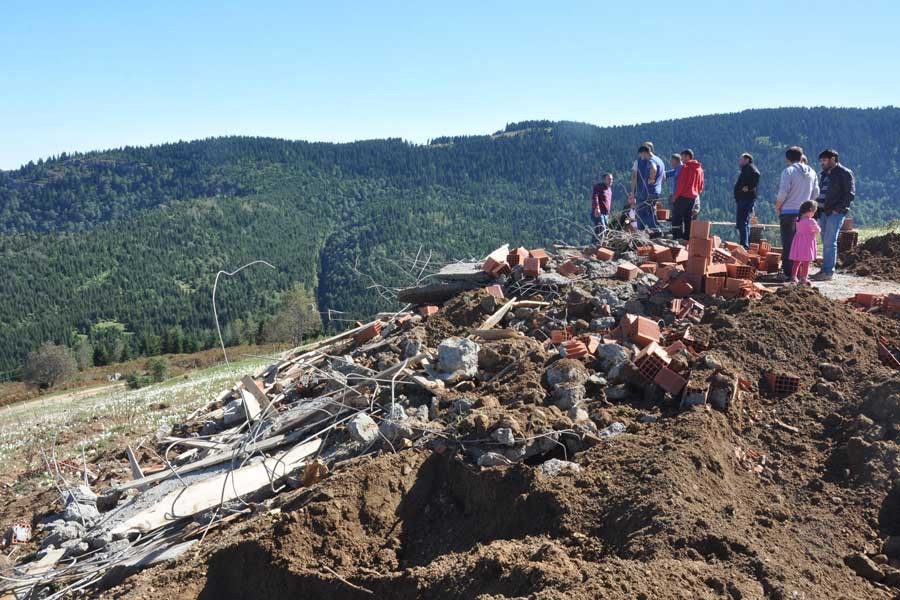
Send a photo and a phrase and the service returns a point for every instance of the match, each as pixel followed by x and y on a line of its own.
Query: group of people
pixel 807 204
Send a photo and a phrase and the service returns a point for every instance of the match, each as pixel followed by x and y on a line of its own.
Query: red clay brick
pixel 427 311
pixel 570 267
pixel 605 254
pixel 532 266
pixel 740 271
pixel 496 291
pixel 645 250
pixel 541 255
pixel 681 287
pixel 648 267
pixel 669 380
pixel 680 255
pixel 702 248
pixel 645 331
pixel 558 336
pixel 574 349
pixel 627 271
pixel 650 360
pixel 713 285
pixel 517 257
pixel 696 265
pixel 700 229
pixel 368 333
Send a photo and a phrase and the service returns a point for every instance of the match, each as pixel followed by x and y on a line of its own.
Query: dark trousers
pixel 788 226
pixel 742 220
pixel 682 214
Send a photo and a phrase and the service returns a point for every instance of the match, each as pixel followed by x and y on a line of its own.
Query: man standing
pixel 798 184
pixel 601 203
pixel 745 196
pixel 689 188
pixel 837 189
pixel 646 186
pixel 672 174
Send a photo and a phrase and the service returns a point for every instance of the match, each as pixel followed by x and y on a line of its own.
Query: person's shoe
pixel 806 282
pixel 820 276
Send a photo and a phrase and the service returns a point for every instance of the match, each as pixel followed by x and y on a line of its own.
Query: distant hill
pixel 136 235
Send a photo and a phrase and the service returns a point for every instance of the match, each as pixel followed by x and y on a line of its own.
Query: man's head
pixel 828 158
pixel 794 154
pixel 687 154
pixel 675 160
pixel 650 146
pixel 644 151
pixel 745 159
pixel 607 179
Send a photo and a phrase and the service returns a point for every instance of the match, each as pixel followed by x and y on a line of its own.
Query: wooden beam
pixel 498 316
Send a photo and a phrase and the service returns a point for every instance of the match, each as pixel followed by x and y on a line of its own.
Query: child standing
pixel 803 248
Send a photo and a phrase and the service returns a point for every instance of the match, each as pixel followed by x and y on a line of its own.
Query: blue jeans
pixel 645 210
pixel 601 223
pixel 831 227
pixel 742 220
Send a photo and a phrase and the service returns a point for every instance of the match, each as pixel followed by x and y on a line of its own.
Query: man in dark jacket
pixel 745 196
pixel 837 189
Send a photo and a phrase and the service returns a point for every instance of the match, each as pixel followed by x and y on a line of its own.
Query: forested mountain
pixel 136 235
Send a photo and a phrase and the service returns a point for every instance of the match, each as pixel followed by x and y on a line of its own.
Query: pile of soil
pixel 877 257
pixel 768 500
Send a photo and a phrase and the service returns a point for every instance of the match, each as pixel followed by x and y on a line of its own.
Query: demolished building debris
pixel 513 360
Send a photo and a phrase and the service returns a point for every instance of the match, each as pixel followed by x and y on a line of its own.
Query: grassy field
pixel 100 418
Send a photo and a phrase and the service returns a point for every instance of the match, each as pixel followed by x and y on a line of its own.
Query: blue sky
pixel 92 75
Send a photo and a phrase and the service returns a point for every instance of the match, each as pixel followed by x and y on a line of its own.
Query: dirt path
pixel 845 285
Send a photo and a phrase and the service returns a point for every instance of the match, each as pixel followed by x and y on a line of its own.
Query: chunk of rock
pixel 504 435
pixel 458 355
pixel 864 566
pixel 492 459
pixel 602 323
pixel 611 355
pixel 831 372
pixel 555 466
pixel 363 429
pixel 612 431
pixel 567 395
pixel 566 370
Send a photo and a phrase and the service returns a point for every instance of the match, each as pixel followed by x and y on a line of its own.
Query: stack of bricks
pixel 701 248
pixel 654 363
pixel 533 262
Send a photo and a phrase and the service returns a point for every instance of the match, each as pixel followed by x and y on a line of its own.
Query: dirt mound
pixel 877 257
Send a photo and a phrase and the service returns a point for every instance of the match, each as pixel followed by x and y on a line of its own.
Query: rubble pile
pixel 877 257
pixel 527 358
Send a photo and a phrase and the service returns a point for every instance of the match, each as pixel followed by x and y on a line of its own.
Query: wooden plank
pixel 251 386
pixel 498 316
pixel 203 495
pixel 194 443
pixel 496 334
pixel 326 342
pixel 136 472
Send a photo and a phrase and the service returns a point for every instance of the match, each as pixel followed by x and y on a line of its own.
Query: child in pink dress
pixel 803 247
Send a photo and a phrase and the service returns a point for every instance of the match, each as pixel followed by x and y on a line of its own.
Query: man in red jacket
pixel 690 186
